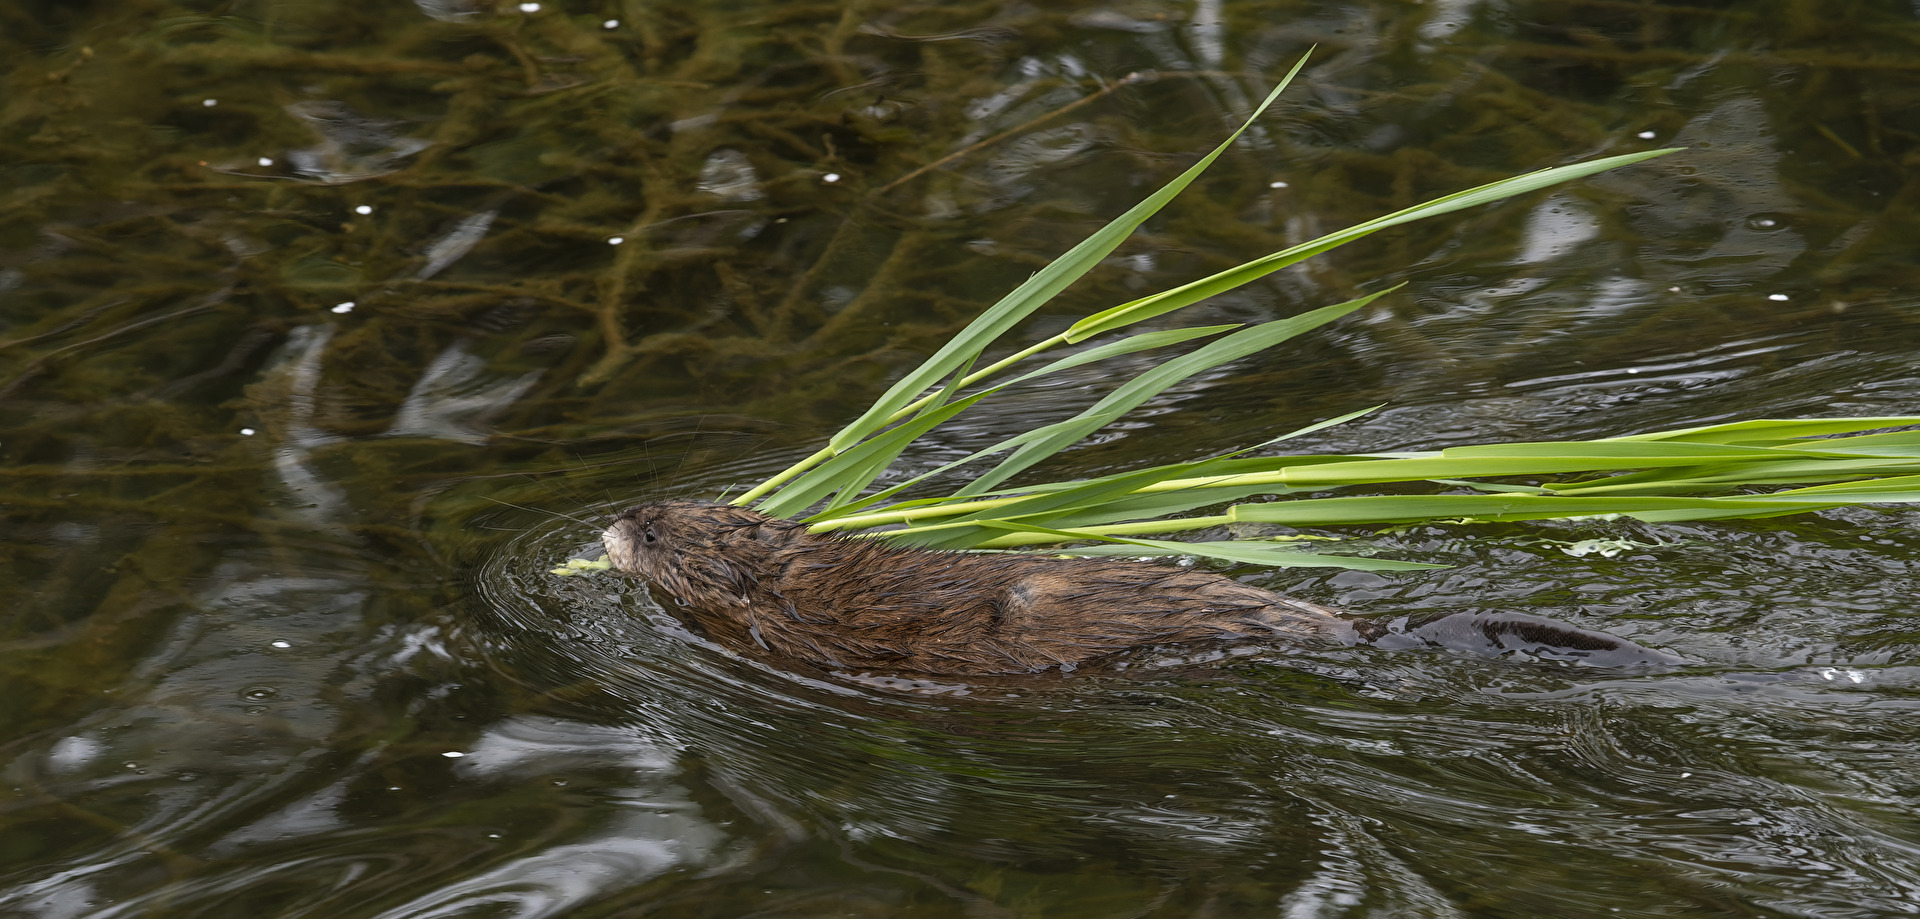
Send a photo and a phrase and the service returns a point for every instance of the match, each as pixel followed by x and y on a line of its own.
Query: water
pixel 326 329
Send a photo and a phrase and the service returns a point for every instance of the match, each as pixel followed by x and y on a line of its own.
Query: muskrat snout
pixel 627 541
pixel 695 550
pixel 619 545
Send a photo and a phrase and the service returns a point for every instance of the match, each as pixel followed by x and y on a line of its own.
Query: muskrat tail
pixel 1501 634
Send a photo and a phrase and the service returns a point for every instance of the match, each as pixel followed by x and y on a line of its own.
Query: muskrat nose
pixel 619 544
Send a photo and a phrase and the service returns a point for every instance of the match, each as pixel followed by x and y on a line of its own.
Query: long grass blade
pixel 855 479
pixel 1101 495
pixel 1377 509
pixel 1125 504
pixel 1026 298
pixel 1723 478
pixel 831 476
pixel 1241 551
pixel 1124 346
pixel 1768 431
pixel 1043 442
pixel 1195 291
pixel 1890 490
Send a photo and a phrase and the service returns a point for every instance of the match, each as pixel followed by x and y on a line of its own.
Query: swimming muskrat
pixel 768 588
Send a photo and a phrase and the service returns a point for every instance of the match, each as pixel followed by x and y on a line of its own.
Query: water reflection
pixel 352 147
pixel 1735 179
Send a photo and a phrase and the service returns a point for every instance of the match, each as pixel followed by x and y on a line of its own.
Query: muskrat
pixel 768 588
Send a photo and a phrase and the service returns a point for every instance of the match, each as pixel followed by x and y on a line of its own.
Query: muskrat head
pixel 710 556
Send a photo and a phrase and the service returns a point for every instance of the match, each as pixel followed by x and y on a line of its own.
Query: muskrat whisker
pixel 535 510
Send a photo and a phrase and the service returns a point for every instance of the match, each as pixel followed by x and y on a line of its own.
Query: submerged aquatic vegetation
pixel 1668 475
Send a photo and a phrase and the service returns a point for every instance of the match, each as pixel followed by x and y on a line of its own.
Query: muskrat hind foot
pixel 1501 634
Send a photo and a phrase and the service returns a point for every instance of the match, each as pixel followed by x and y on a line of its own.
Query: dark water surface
pixel 277 636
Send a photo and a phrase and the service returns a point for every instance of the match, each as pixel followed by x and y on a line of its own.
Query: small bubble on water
pixel 246 432
pixel 1645 135
pixel 1762 223
pixel 344 308
pixel 453 754
pixel 830 178
pixel 265 161
pixel 209 103
pixel 1778 298
pixel 281 643
pixel 363 209
pixel 529 7
pixel 1276 185
pixel 610 24
pixel 615 240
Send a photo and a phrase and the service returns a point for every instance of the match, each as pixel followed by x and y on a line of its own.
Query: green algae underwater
pixel 319 317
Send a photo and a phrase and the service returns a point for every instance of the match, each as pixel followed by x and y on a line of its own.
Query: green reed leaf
pixel 1042 443
pixel 1768 431
pixel 833 475
pixel 1248 552
pixel 1195 291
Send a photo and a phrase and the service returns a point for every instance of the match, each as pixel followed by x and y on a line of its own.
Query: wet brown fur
pixel 753 582
pixel 768 588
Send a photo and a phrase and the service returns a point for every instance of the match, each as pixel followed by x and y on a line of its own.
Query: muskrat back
pixel 769 588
